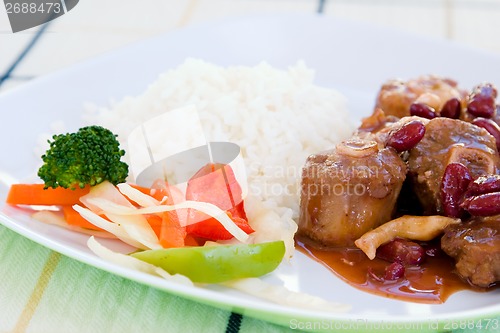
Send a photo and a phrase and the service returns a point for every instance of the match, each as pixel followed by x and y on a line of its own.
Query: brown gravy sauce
pixel 432 282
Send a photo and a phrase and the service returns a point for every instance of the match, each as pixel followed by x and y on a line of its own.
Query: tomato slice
pixel 215 184
pixel 212 229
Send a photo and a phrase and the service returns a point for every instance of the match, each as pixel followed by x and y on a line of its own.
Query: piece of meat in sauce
pixel 378 126
pixel 348 191
pixel 446 141
pixel 475 246
pixel 396 96
pixel 444 98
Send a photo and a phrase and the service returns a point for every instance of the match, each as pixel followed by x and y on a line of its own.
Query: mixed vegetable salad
pixel 197 236
pixel 84 176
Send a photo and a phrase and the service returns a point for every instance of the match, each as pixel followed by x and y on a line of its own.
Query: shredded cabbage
pixel 136 227
pixel 131 262
pixel 147 201
pixel 137 196
pixel 55 218
pixel 116 229
pixel 283 296
pixel 110 207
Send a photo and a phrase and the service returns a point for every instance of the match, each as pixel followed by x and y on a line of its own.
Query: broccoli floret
pixel 87 157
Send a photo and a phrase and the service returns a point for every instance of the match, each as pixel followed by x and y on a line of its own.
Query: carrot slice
pixel 172 233
pixel 72 217
pixel 35 194
pixel 168 229
pixel 155 222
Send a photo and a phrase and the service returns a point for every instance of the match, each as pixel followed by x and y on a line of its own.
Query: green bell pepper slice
pixel 214 264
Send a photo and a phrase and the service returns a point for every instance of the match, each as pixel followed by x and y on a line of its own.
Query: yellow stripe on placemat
pixel 36 295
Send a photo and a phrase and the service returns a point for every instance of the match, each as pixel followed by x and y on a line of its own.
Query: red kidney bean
pixel 491 126
pixel 465 202
pixel 483 184
pixel 482 101
pixel 402 251
pixel 483 205
pixel 451 109
pixel 456 179
pixel 394 271
pixel 422 110
pixel 481 106
pixel 406 137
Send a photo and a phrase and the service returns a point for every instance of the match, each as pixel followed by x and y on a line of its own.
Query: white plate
pixel 351 57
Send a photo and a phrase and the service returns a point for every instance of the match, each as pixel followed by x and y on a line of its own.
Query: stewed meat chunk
pixel 432 96
pixel 379 127
pixel 396 96
pixel 348 191
pixel 475 245
pixel 449 141
pixel 424 161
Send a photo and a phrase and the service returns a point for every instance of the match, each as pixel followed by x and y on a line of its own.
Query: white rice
pixel 277 117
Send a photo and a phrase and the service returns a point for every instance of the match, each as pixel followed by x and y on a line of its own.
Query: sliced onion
pixel 357 148
pixel 105 190
pixel 137 196
pixel 422 228
pixel 136 227
pixel 107 199
pixel 51 217
pixel 281 295
pixel 204 207
pixel 134 263
pixel 111 227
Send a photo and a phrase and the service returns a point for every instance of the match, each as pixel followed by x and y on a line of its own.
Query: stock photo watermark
pixel 286 180
pixel 185 162
pixel 371 326
pixel 26 14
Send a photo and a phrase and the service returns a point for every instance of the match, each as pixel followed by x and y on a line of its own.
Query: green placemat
pixel 42 291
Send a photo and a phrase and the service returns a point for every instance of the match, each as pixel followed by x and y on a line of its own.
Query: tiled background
pixel 97 26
